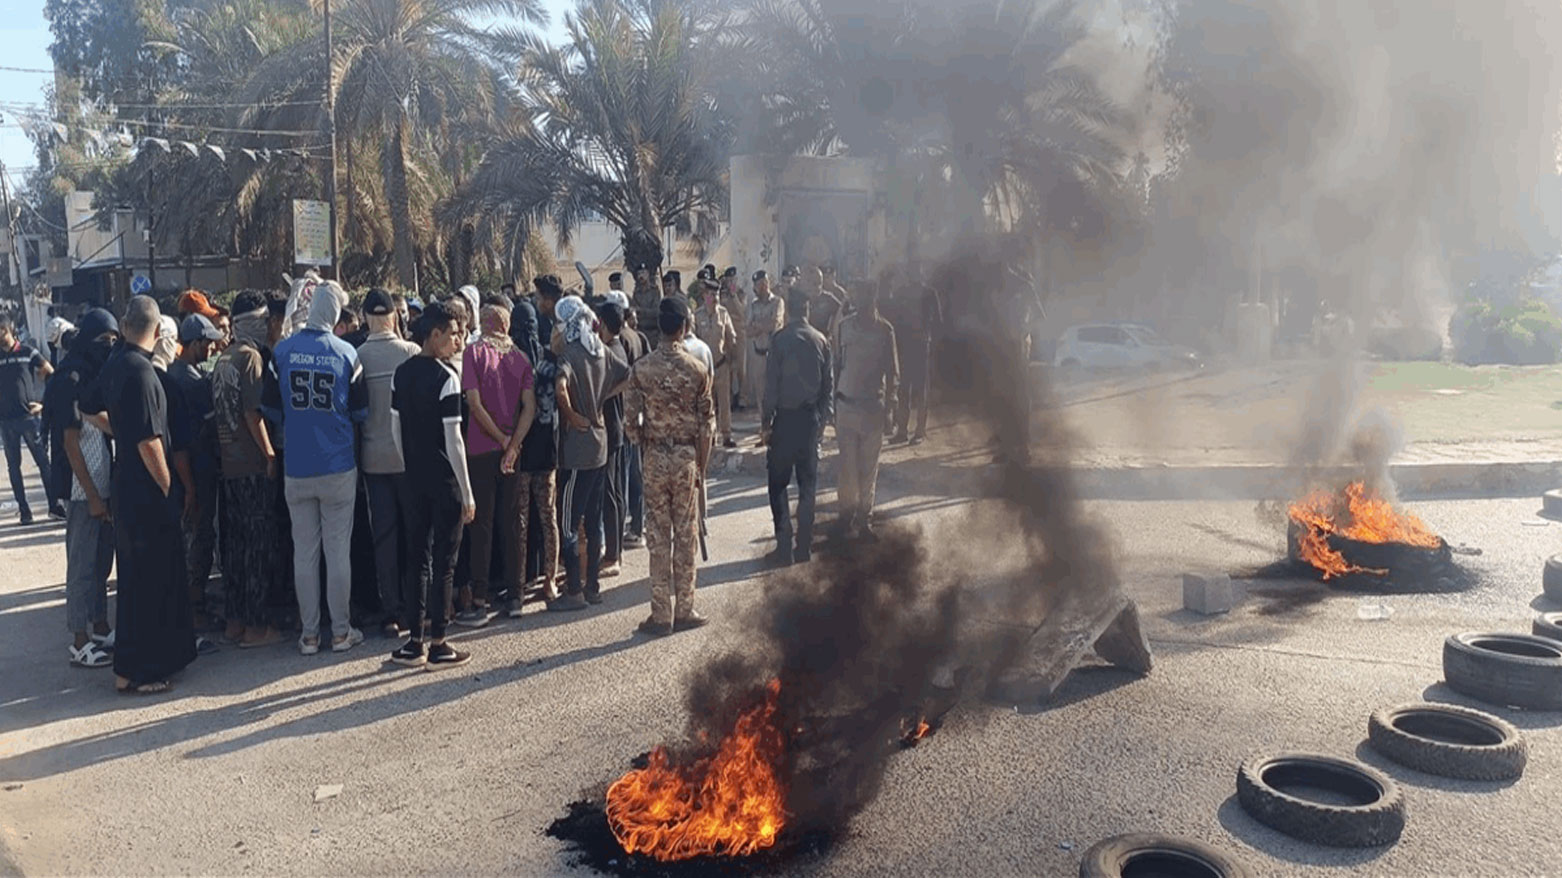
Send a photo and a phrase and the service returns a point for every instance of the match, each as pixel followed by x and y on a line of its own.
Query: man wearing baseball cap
pixel 384 471
pixel 199 337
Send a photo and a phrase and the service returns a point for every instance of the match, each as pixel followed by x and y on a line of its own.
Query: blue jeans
pixel 89 556
pixel 14 432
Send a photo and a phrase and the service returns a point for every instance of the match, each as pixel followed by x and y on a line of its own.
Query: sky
pixel 24 43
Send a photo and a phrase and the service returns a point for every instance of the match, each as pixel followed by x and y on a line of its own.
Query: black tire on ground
pixel 1509 670
pixel 1551 502
pixel 1551 579
pixel 1448 741
pixel 1150 853
pixel 1373 813
pixel 1549 626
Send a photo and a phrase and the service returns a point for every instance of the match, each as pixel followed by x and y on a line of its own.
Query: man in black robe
pixel 155 633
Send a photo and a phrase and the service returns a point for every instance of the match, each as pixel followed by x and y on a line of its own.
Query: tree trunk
pixel 400 209
pixel 643 248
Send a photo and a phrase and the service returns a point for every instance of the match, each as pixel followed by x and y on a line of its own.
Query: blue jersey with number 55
pixel 319 395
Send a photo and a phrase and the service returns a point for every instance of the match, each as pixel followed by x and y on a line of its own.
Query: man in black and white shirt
pixel 22 373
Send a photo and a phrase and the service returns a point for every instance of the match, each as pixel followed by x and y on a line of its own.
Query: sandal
pixel 105 641
pixel 90 655
pixel 156 688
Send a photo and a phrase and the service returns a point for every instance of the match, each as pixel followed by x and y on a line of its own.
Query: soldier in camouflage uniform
pixel 668 411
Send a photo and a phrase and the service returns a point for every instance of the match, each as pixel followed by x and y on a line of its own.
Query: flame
pixel 922 729
pixel 1355 514
pixel 731 803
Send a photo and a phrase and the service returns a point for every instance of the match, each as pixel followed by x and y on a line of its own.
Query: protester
pixel 533 455
pixel 766 315
pixel 154 632
pixel 22 370
pixel 798 403
pixel 668 411
pixel 623 343
pixel 320 397
pixel 89 530
pixel 713 325
pixel 867 371
pixel 497 378
pixel 384 473
pixel 588 375
pixel 53 331
pixel 672 285
pixel 199 338
pixel 250 528
pixel 426 418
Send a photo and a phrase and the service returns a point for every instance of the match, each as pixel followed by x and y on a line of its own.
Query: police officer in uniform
pixel 798 402
pixel 867 370
pixel 713 325
pixel 766 315
pixel 667 412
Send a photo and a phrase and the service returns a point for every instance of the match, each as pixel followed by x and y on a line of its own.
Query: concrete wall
pixel 805 209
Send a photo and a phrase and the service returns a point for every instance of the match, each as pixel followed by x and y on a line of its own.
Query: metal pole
pixel 10 225
pixel 330 127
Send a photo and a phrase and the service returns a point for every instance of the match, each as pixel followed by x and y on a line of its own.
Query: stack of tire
pixel 1361 806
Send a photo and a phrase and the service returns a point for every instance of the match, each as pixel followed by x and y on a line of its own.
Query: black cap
pixel 732 271
pixel 378 303
pixel 197 328
pixel 760 275
pixel 96 322
pixel 791 271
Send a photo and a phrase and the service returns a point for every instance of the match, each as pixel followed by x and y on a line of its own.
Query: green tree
pixel 620 122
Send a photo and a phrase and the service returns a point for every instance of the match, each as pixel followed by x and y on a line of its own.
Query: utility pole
pixel 10 225
pixel 330 127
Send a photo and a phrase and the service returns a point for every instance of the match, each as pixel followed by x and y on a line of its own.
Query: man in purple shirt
pixel 497 381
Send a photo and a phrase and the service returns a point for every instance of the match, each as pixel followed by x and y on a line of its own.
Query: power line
pixel 26 70
pixel 263 105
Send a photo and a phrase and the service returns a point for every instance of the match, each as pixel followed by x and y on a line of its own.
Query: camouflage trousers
pixel 672 527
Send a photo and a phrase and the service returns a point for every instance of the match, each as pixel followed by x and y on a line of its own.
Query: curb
pixel 1415 481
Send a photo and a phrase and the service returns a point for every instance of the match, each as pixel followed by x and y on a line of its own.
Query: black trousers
pixel 389 502
pixel 433 539
pixel 615 502
pixel 794 449
pixel 580 501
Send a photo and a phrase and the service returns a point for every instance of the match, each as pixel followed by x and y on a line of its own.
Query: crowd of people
pixel 408 466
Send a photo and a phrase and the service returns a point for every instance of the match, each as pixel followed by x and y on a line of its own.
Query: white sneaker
pixel 352 638
pixel 308 645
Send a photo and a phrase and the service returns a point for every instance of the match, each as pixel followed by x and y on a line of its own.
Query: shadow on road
pixel 1439 693
pixel 1365 753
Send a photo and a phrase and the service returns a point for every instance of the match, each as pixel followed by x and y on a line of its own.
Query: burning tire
pixel 1549 626
pixel 1551 580
pixel 1448 741
pixel 1347 804
pixel 1148 853
pixel 1510 670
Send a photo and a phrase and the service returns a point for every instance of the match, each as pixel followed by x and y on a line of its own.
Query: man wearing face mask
pixel 84 451
pixel 199 338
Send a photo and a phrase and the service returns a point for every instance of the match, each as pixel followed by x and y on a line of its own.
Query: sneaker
pixel 308 645
pixel 26 519
pixel 410 655
pixel 391 629
pixel 513 608
pixel 728 443
pixel 594 597
pixel 204 646
pixel 655 628
pixel 443 655
pixel 476 617
pixel 634 541
pixel 781 557
pixel 690 622
pixel 802 556
pixel 567 603
pixel 347 641
pixel 900 438
pixel 610 570
pixel 919 438
pixel 57 513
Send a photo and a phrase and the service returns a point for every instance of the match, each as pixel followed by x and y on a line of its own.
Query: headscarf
pixel 495 327
pixel 326 306
pixel 166 347
pixel 299 302
pixel 619 298
pixel 252 328
pixel 474 309
pixel 578 322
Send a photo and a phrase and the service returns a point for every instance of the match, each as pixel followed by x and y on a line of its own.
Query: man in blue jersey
pixel 318 395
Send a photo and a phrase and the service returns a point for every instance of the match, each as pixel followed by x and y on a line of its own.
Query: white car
pixel 1120 346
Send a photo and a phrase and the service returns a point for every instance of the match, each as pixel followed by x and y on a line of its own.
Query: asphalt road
pixel 459 772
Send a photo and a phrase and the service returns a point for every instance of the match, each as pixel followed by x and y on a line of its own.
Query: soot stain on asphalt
pixel 592 844
pixel 1445 578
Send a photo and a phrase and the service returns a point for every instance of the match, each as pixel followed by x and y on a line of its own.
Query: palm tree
pixel 619 122
pixel 977 101
pixel 404 75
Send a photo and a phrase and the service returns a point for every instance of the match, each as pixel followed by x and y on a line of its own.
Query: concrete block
pixel 1207 593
